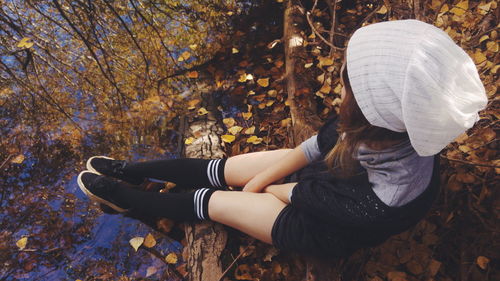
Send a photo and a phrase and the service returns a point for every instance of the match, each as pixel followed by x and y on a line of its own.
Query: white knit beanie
pixel 410 76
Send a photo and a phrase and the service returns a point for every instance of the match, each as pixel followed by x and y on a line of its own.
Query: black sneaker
pixel 100 189
pixel 107 166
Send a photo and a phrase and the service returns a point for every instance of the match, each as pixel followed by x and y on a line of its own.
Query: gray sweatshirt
pixel 398 173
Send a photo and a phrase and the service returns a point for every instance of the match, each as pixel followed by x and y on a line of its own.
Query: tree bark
pixel 206 240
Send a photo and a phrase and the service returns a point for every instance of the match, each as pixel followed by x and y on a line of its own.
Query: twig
pixel 469 163
pixel 235 260
pixel 6 160
pixel 333 24
pixel 311 24
pixel 369 16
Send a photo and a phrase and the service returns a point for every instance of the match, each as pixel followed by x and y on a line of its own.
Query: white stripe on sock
pixel 196 195
pixel 204 191
pixel 216 174
pixel 209 168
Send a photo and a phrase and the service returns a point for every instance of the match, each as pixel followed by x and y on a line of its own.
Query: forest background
pixel 119 78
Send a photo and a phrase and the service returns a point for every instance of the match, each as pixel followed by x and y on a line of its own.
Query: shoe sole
pixel 96 198
pixel 89 166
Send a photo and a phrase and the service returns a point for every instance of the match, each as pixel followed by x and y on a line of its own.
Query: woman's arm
pixel 281 191
pixel 291 162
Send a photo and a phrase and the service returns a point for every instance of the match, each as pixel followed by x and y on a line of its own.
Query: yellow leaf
pixel 171 258
pixel 460 8
pixel 150 241
pixel 286 122
pixel 21 243
pixel 321 78
pixel 261 106
pixel 184 56
pixel 338 88
pixel 482 262
pixel 325 61
pixel 229 122
pixel 272 93
pixel 189 141
pixel 202 111
pixel 235 130
pixel 320 94
pixel 250 93
pixel 193 103
pixel 325 89
pixel 18 159
pixel 244 77
pixel 193 46
pixel 246 115
pixel 495 69
pixel 263 82
pixel 435 4
pixel 483 9
pixel 382 10
pixel 492 46
pixel 235 51
pixel 136 242
pixel 484 37
pixel 250 131
pixel 192 74
pixel 25 43
pixel 444 9
pixel 478 57
pixel 308 65
pixel 254 140
pixel 228 138
pixel 269 103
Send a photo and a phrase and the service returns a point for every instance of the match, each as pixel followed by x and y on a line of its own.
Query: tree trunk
pixel 206 240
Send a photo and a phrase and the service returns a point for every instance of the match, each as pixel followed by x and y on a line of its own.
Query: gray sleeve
pixel 311 149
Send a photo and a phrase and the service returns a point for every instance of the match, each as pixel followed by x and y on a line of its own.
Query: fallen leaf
pixel 171 258
pixel 184 56
pixel 338 89
pixel 149 241
pixel 18 159
pixel 434 267
pixel 286 122
pixel 263 82
pixel 272 93
pixel 479 57
pixel 243 272
pixel 492 46
pixel 189 141
pixel 460 8
pixel 193 103
pixel 235 130
pixel 192 74
pixel 235 51
pixel 150 271
pixel 228 138
pixel 21 243
pixel 325 89
pixel 229 122
pixel 482 262
pixel 324 61
pixel 250 131
pixel 269 103
pixel 193 47
pixel 136 242
pixel 308 65
pixel 396 276
pixel 25 43
pixel 250 93
pixel 254 140
pixel 202 111
pixel 382 10
pixel 246 115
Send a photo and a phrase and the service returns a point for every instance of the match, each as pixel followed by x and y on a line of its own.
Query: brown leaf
pixel 482 262
pixel 171 258
pixel 396 276
pixel 434 267
pixel 149 241
pixel 18 159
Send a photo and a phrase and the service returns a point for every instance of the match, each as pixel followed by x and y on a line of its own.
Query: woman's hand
pixel 291 162
pixel 256 184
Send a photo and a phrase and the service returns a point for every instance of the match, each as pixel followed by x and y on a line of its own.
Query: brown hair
pixel 353 130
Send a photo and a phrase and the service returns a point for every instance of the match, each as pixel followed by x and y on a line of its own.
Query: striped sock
pixel 201 198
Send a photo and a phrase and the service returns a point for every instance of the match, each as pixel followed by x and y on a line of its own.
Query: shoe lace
pixel 118 166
